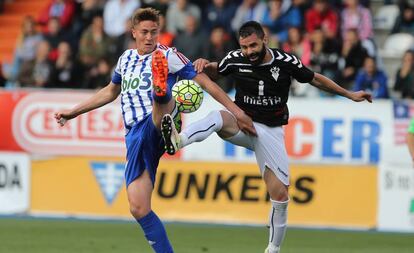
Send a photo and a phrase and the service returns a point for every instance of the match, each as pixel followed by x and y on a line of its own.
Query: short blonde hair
pixel 144 14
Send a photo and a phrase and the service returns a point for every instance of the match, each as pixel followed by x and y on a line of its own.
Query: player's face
pixel 146 34
pixel 253 48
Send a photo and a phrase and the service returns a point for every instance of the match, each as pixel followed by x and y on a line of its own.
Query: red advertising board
pixel 28 124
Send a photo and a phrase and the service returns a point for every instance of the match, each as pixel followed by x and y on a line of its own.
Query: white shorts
pixel 269 147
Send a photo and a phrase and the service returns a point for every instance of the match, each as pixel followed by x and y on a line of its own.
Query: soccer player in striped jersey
pixel 144 77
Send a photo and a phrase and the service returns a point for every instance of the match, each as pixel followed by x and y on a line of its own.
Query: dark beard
pixel 259 59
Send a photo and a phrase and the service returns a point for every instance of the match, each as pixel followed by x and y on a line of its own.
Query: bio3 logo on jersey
pixel 143 83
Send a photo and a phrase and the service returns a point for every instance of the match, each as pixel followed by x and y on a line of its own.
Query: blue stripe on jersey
pixel 187 72
pixel 122 103
pixel 141 101
pixel 168 53
pixel 127 63
pixel 135 64
pixel 131 102
pixel 123 114
pixel 116 78
pixel 171 80
pixel 149 94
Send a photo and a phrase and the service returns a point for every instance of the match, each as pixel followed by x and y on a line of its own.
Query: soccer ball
pixel 188 95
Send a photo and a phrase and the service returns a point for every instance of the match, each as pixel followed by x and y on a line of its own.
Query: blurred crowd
pixel 76 43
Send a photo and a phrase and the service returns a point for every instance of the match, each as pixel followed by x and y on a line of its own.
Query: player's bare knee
pixel 277 190
pixel 280 194
pixel 229 127
pixel 139 210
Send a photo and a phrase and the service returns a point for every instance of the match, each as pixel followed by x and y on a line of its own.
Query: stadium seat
pixel 394 47
pixel 396 44
pixel 385 17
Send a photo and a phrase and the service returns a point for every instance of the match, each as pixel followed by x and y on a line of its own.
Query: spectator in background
pixel 353 55
pixel 219 13
pixel 36 72
pixel 302 6
pixel 161 5
pixel 63 10
pixel 324 54
pixel 248 10
pixel 372 80
pixel 355 16
pixel 322 16
pixel 86 10
pixel 94 44
pixel 404 78
pixel 405 22
pixel 298 45
pixel 116 13
pixel 28 39
pixel 54 35
pixel 217 48
pixel 272 41
pixel 192 40
pixel 65 71
pixel 124 41
pixel 177 13
pixel 279 20
pixel 166 38
pixel 1 5
pixel 99 75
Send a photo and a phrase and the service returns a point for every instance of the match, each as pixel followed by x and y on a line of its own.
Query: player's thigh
pixel 277 190
pixel 139 192
pixel 271 153
pixel 159 110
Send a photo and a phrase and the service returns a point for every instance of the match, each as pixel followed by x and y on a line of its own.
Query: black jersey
pixel 262 91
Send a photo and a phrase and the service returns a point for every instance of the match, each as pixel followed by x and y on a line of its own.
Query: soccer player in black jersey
pixel 263 77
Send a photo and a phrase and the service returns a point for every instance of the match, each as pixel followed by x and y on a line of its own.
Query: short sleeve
pixel 225 67
pixel 176 60
pixel 116 76
pixel 295 67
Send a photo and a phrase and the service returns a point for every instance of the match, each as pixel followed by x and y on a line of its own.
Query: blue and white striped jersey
pixel 133 73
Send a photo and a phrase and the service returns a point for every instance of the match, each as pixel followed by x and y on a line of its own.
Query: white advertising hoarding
pixel 14 183
pixel 396 197
pixel 319 131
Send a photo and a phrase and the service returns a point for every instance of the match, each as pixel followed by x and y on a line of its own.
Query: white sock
pixel 278 224
pixel 200 130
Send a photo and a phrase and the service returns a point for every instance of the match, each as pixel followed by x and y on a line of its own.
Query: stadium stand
pixel 10 22
pixel 384 18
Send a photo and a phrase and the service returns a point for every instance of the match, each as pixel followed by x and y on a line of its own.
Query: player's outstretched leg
pixel 221 122
pixel 159 75
pixel 161 93
pixel 170 134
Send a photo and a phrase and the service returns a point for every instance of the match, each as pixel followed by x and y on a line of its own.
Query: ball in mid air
pixel 188 96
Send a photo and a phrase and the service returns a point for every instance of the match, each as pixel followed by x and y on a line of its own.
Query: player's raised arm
pixel 245 122
pixel 104 96
pixel 324 83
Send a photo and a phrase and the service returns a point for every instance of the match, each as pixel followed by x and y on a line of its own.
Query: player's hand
pixel 360 96
pixel 63 116
pixel 245 124
pixel 200 64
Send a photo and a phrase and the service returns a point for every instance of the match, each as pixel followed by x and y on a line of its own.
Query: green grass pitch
pixel 54 235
